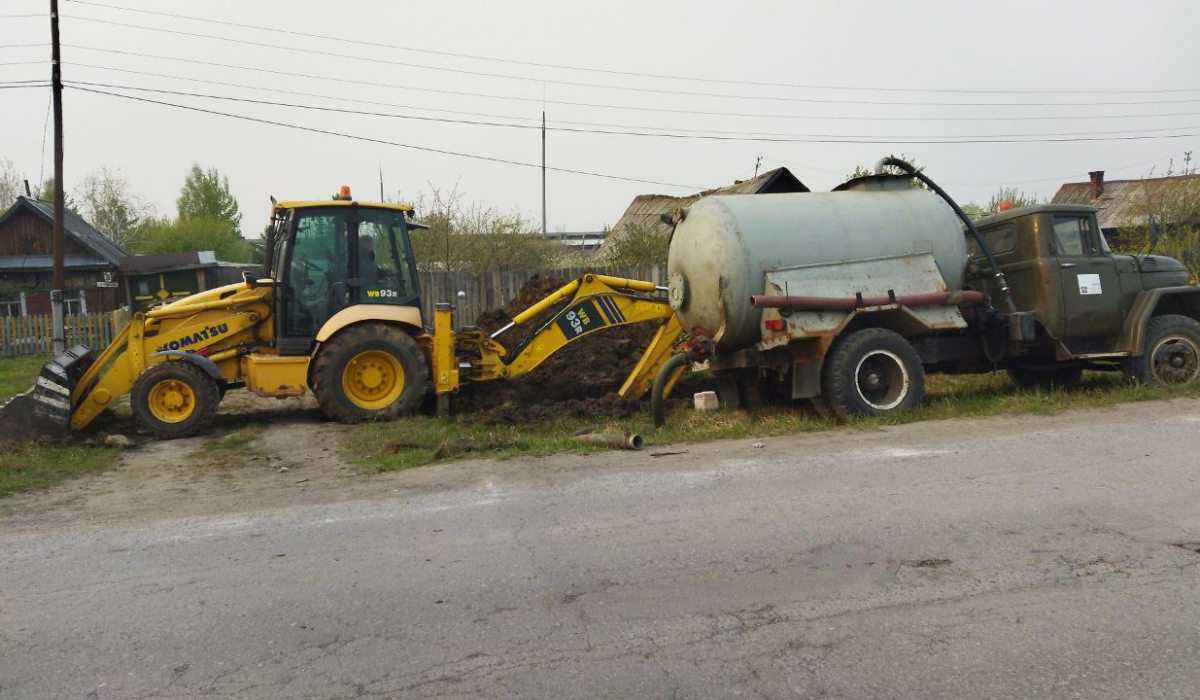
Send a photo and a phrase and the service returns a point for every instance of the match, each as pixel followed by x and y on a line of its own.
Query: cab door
pixel 315 283
pixel 1091 289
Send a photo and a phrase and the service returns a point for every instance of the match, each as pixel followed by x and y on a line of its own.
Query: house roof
pixel 161 262
pixel 646 210
pixel 38 263
pixel 1118 202
pixel 74 226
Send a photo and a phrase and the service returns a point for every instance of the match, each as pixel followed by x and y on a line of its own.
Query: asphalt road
pixel 1036 557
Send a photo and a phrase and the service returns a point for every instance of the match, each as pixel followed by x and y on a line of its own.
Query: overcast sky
pixel 756 57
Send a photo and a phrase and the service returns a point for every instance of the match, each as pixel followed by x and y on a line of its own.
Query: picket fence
pixel 493 290
pixel 30 335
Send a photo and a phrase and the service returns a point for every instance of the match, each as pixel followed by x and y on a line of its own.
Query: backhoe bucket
pixel 45 410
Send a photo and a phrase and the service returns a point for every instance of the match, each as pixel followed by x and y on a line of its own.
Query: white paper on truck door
pixel 1089 284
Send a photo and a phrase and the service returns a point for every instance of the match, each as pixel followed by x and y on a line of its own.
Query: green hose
pixel 660 384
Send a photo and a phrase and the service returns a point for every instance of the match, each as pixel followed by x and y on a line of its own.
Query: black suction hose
pixel 660 384
pixel 987 251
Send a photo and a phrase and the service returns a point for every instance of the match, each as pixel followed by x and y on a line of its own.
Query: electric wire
pixel 558 66
pixel 626 88
pixel 593 105
pixel 783 138
pixel 368 139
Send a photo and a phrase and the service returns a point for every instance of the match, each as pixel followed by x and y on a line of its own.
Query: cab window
pixel 1073 235
pixel 1002 239
pixel 317 277
pixel 384 261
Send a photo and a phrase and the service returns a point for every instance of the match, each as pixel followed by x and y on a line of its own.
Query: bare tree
pixel 10 184
pixel 104 200
pixel 474 238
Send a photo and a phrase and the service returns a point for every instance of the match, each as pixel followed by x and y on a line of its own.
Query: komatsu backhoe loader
pixel 337 311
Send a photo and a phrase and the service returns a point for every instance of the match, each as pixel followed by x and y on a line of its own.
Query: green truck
pixel 848 298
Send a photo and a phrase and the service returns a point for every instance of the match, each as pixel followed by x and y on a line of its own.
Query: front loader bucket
pixel 46 408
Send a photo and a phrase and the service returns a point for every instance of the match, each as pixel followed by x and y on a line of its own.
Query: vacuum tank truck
pixel 847 298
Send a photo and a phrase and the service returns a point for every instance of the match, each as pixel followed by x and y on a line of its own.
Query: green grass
pixel 415 441
pixel 40 465
pixel 17 374
pixel 37 466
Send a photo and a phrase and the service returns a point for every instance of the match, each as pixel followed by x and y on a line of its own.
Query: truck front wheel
pixel 873 372
pixel 1171 354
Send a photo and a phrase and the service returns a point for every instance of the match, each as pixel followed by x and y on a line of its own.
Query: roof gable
pixel 74 226
pixel 646 210
pixel 1119 199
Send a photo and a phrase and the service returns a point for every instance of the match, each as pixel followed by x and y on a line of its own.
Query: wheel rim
pixel 881 379
pixel 171 401
pixel 1175 360
pixel 373 379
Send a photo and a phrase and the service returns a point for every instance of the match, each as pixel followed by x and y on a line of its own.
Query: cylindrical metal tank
pixel 724 244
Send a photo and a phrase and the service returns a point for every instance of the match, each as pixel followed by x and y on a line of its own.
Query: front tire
pixel 1171 354
pixel 174 399
pixel 873 372
pixel 369 372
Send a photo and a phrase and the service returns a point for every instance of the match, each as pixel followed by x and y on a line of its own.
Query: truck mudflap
pixel 45 410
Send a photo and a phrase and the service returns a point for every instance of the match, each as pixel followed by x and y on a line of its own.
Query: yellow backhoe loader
pixel 337 311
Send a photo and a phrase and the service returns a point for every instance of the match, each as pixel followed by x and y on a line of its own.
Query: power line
pixel 385 142
pixel 663 76
pixel 654 91
pixel 781 138
pixel 21 46
pixel 594 105
pixel 32 14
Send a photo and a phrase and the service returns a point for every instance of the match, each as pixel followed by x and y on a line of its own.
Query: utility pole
pixel 543 173
pixel 757 163
pixel 381 199
pixel 59 239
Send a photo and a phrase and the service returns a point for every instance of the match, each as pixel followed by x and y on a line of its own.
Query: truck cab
pixel 1061 271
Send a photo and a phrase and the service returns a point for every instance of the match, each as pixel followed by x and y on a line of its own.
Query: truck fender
pixel 1144 306
pixel 199 360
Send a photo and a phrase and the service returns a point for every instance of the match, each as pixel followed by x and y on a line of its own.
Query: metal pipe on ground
pixel 802 303
pixel 628 441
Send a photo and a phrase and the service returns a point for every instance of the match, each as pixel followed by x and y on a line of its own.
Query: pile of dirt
pixel 579 380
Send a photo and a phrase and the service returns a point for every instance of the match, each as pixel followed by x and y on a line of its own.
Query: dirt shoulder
pixel 283 454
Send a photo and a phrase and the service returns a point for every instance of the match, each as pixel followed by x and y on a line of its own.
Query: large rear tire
pixel 174 399
pixel 369 372
pixel 873 372
pixel 1171 354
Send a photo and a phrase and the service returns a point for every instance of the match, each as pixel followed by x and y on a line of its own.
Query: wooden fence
pixel 30 335
pixel 495 289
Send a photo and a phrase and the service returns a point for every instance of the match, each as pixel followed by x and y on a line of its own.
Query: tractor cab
pixel 328 257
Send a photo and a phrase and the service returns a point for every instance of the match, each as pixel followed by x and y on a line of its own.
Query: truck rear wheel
pixel 369 372
pixel 1171 354
pixel 174 399
pixel 873 372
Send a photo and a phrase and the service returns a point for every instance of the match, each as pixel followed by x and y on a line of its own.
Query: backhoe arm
pixel 588 304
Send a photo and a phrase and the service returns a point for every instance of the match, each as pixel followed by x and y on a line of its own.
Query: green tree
pixel 1017 198
pixel 206 195
pixel 1173 199
pixel 46 194
pixel 639 245
pixel 106 203
pixel 188 235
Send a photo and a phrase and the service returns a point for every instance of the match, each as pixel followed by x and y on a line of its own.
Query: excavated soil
pixel 580 380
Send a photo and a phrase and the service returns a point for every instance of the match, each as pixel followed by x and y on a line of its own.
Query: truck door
pixel 1090 287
